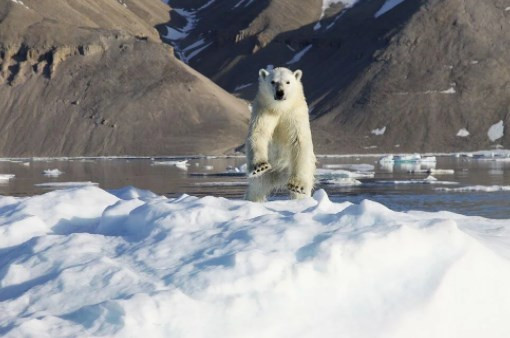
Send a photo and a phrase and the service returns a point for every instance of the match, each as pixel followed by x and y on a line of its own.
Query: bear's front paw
pixel 295 187
pixel 259 169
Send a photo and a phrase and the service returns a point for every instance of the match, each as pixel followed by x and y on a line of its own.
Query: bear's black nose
pixel 279 94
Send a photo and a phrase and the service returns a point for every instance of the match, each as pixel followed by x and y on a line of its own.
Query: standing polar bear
pixel 279 147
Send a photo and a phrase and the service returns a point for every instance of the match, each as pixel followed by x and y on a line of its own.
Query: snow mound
pixel 86 262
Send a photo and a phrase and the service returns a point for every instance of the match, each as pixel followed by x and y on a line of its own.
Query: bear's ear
pixel 298 74
pixel 263 73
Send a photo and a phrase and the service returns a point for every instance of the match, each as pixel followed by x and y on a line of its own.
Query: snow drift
pixel 89 262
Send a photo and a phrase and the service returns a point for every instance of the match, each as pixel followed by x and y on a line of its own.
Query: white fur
pixel 280 135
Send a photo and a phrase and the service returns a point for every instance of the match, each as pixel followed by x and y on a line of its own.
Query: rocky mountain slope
pixel 380 75
pixel 93 78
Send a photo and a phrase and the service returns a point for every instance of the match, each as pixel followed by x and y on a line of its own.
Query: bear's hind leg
pixel 259 188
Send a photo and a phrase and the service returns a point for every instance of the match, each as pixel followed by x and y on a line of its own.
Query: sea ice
pixel 86 262
pixel 484 188
pixel 52 172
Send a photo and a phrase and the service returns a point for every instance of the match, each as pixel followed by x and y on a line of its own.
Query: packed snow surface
pixel 128 263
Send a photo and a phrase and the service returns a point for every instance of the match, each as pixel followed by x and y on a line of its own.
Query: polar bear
pixel 279 148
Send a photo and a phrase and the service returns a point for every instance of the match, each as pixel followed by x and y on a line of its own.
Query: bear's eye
pixel 272 82
pixel 288 82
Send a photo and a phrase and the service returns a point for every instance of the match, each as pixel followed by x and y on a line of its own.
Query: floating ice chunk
pixel 387 6
pixel 52 172
pixel 335 173
pixel 407 158
pixel 65 185
pixel 243 168
pixel 496 131
pixel 6 177
pixel 432 171
pixel 181 164
pixel 354 166
pixel 341 181
pixel 428 180
pixel 463 132
pixel 221 184
pixel 482 188
pixel 379 131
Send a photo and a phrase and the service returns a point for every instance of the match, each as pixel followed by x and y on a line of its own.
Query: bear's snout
pixel 279 94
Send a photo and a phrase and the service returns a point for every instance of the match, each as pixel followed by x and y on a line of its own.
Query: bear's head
pixel 280 83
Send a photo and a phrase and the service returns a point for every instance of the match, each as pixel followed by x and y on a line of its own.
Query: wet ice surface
pixel 480 184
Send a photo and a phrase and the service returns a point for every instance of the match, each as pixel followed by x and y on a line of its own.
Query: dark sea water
pixel 400 187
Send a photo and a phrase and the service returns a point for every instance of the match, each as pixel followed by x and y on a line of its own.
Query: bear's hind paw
pixel 259 169
pixel 298 189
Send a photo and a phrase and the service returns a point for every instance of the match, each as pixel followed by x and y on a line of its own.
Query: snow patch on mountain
pixel 496 131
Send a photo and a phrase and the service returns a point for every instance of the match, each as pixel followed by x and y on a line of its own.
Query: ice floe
pixel 52 172
pixel 86 262
pixel 471 188
pixel 427 180
pixel 335 173
pixel 181 164
pixel 65 185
